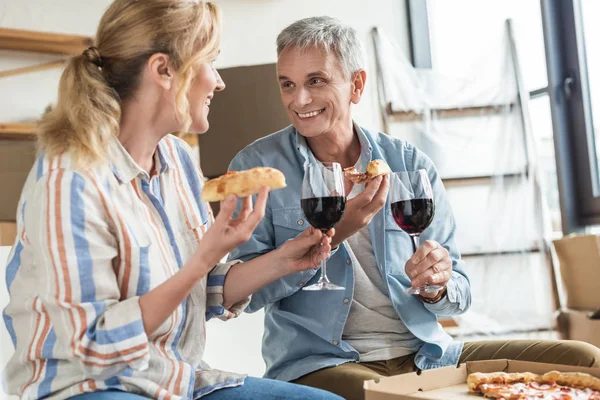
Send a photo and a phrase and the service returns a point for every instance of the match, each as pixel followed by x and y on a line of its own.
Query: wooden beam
pixel 18 131
pixel 42 42
pixel 481 180
pixel 399 115
pixel 32 68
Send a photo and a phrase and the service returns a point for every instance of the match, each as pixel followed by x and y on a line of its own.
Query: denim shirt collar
pixel 308 156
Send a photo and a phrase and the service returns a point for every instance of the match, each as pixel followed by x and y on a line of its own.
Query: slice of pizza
pixel 522 386
pixel 374 169
pixel 242 183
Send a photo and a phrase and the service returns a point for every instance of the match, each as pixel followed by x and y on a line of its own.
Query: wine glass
pixel 323 203
pixel 411 199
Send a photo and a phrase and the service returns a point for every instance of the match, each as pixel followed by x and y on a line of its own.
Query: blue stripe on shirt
pixel 11 272
pixel 143 286
pixel 193 178
pixel 82 248
pixel 215 280
pixel 45 387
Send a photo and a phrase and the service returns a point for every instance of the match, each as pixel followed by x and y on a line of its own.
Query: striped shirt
pixel 90 244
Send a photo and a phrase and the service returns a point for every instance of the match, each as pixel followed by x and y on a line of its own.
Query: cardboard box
pixel 579 258
pixel 579 326
pixel 450 383
pixel 16 160
pixel 8 233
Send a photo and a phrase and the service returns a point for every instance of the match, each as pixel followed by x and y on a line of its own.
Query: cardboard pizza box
pixel 450 383
pixel 579 257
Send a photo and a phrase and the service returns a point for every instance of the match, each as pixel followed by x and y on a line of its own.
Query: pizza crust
pixel 374 169
pixel 574 379
pixel 242 183
pixel 475 380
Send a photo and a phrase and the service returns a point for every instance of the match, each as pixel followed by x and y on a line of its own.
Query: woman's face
pixel 206 82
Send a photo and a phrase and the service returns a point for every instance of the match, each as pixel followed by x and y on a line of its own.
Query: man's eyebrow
pixel 317 73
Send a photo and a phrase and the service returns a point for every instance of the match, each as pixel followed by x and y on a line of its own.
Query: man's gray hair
pixel 328 34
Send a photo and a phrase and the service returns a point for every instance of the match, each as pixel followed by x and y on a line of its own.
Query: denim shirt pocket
pixel 288 222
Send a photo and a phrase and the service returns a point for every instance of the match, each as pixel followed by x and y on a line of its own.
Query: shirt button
pixel 300 222
pixel 335 342
pixel 346 301
pixel 301 283
pixel 348 261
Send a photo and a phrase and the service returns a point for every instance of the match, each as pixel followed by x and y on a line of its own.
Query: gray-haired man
pixel 337 339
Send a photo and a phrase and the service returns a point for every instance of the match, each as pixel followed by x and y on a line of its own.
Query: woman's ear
pixel 160 70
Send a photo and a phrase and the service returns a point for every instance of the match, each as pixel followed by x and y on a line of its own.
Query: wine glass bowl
pixel 323 203
pixel 413 208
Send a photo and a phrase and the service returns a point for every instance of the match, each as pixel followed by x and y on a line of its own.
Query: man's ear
pixel 358 85
pixel 160 70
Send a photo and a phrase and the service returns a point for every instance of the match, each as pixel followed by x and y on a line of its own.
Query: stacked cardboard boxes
pixel 579 258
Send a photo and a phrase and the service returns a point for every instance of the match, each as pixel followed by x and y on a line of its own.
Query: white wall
pixel 249 32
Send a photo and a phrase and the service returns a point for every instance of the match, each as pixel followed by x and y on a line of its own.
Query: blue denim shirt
pixel 303 329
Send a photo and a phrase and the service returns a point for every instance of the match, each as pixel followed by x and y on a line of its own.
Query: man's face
pixel 315 91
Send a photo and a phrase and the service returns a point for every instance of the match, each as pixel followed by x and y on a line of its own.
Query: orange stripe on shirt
pixel 62 262
pixel 125 249
pixel 31 346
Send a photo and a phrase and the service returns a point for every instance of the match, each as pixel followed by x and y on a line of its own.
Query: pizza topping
pixel 525 386
pixel 374 169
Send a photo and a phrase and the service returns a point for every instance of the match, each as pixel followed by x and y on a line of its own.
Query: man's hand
pixel 431 264
pixel 361 209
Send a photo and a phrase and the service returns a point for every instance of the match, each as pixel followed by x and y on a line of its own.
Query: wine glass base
pixel 424 289
pixel 323 286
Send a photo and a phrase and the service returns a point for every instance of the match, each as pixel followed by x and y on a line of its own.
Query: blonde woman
pixel 116 267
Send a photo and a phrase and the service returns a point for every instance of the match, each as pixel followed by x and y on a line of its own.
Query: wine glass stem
pixel 415 242
pixel 323 269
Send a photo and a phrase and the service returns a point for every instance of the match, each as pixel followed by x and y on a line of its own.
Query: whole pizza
pixel 526 385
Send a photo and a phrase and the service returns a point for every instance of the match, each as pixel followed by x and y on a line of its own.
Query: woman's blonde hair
pixel 95 84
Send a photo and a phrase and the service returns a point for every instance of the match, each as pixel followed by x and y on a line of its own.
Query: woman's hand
pixel 227 233
pixel 307 250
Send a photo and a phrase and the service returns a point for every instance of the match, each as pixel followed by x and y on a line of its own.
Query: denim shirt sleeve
pixel 442 229
pixel 261 242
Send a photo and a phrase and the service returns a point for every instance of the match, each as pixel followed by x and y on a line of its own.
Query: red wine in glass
pixel 413 208
pixel 323 213
pixel 323 203
pixel 413 216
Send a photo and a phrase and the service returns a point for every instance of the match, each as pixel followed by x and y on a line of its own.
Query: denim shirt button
pixel 335 342
pixel 348 261
pixel 346 301
pixel 300 222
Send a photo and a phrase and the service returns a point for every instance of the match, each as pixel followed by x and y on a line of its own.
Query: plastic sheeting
pixel 511 292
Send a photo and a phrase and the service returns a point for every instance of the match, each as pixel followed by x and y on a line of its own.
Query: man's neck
pixel 341 147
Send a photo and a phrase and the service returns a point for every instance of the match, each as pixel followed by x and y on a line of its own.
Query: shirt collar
pixel 306 153
pixel 125 168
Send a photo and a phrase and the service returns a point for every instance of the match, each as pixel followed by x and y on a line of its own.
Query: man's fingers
pixel 436 256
